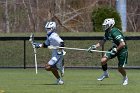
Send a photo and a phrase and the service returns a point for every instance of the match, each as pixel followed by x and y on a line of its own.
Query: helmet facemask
pixel 105 27
pixel 48 30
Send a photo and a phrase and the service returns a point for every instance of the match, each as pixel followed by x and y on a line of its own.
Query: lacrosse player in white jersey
pixel 56 62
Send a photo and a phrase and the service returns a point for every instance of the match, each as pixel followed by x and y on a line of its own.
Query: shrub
pixel 103 12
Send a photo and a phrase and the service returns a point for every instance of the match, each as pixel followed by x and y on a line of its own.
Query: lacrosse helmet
pixel 50 26
pixel 108 23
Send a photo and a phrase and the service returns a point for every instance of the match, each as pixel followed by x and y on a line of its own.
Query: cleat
pixel 125 81
pixel 60 82
pixel 103 77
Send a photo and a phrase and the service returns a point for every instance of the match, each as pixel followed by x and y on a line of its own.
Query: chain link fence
pixel 18 52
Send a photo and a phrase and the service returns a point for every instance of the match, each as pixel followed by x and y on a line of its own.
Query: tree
pixel 133 15
pixel 7 27
pixel 103 12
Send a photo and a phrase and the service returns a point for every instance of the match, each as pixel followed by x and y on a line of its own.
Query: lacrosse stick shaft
pixel 32 42
pixel 57 47
pixel 83 49
pixel 35 61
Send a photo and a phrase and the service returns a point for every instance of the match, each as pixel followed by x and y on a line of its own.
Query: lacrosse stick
pixel 57 47
pixel 32 42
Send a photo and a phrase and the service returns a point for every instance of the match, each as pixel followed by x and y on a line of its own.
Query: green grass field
pixel 76 81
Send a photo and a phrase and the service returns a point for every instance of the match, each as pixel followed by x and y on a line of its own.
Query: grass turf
pixel 76 81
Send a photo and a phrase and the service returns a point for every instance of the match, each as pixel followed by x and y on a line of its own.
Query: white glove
pixel 93 47
pixel 64 52
pixel 37 45
pixel 61 52
pixel 114 51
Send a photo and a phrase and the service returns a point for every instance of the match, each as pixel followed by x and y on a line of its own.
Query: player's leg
pixel 62 69
pixel 104 68
pixel 123 73
pixel 104 60
pixel 60 65
pixel 63 64
pixel 55 73
pixel 53 69
pixel 51 66
pixel 122 61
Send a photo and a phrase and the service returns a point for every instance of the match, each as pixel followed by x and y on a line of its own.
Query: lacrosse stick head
pixel 31 37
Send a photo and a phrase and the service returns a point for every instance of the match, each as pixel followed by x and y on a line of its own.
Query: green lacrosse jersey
pixel 116 36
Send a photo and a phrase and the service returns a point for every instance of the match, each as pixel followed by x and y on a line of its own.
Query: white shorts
pixel 56 60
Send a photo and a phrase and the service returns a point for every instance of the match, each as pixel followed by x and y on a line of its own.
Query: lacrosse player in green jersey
pixel 118 49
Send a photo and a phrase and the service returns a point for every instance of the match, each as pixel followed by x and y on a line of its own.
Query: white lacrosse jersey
pixel 54 40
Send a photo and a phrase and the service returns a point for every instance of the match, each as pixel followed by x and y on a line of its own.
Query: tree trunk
pixel 28 14
pixel 6 17
pixel 37 17
pixel 15 19
pixel 32 15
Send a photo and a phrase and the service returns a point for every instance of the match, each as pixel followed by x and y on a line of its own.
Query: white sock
pixel 125 77
pixel 106 72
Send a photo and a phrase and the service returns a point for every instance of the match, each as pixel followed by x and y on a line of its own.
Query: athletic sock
pixel 104 67
pixel 125 77
pixel 106 72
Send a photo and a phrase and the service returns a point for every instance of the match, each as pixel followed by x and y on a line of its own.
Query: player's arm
pixel 42 45
pixel 59 40
pixel 121 45
pixel 62 44
pixel 101 43
pixel 93 47
pixel 61 51
pixel 121 41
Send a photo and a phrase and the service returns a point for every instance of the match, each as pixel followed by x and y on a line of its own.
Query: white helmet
pixel 109 22
pixel 50 26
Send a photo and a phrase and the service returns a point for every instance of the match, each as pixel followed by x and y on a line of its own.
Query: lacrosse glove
pixel 36 45
pixel 93 47
pixel 114 51
pixel 61 52
pixel 64 52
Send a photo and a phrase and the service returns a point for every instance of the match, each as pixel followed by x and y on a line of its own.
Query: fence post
pixel 24 54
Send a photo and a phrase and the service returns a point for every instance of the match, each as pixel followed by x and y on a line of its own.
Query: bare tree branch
pixel 60 23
